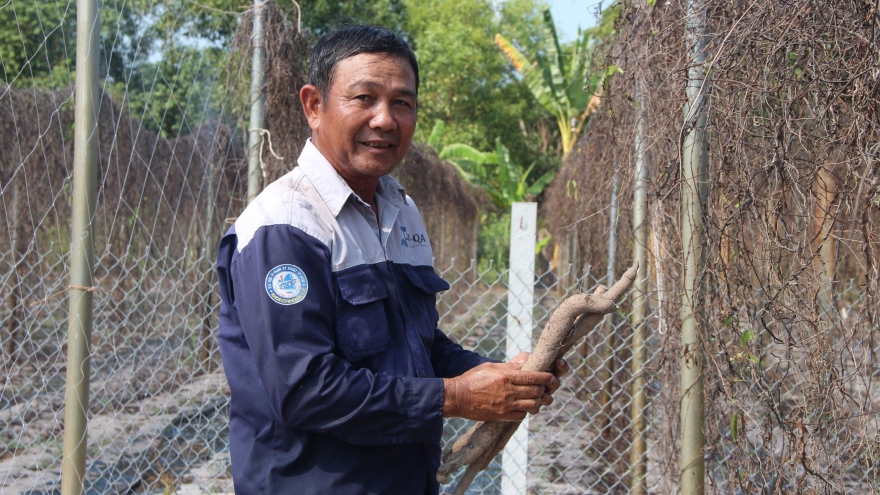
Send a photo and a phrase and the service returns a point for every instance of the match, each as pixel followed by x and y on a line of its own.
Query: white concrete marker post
pixel 520 323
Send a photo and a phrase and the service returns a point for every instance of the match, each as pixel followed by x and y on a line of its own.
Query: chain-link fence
pixel 758 451
pixel 792 394
pixel 581 443
pixel 158 414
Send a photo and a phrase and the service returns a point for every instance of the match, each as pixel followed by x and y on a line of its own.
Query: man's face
pixel 365 123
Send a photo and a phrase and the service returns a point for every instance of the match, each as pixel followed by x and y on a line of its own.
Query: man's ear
pixel 311 101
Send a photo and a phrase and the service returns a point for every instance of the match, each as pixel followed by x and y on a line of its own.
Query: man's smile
pixel 377 144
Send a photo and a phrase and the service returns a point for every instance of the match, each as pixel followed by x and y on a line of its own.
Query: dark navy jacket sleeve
pixel 311 387
pixel 450 359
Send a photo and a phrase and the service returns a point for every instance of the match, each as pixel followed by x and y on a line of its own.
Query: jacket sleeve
pixel 450 359
pixel 290 333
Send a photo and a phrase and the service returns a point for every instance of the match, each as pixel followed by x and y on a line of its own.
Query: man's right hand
pixel 497 392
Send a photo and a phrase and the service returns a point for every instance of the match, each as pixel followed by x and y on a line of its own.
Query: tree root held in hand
pixel 571 321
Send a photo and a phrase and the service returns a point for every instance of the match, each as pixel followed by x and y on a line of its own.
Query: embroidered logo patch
pixel 287 284
pixel 411 240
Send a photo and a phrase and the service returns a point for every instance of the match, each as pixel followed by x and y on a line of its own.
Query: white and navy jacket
pixel 329 339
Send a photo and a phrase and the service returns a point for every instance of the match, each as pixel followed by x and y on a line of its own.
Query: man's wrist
pixel 450 396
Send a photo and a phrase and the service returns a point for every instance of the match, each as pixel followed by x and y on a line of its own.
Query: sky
pixel 568 14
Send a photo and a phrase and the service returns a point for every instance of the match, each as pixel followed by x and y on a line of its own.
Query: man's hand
pixel 560 368
pixel 501 391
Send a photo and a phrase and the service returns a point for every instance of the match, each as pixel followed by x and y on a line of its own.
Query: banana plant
pixel 571 96
pixel 493 171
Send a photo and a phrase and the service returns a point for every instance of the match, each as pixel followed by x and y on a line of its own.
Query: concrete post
pixel 520 324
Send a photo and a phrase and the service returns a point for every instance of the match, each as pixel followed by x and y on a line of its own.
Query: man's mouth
pixel 376 144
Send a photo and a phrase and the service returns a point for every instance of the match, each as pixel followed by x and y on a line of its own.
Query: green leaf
pixel 435 139
pixel 533 76
pixel 538 186
pixel 470 162
pixel 541 244
pixel 459 151
pixel 747 337
pixel 734 426
pixel 551 42
pixel 727 321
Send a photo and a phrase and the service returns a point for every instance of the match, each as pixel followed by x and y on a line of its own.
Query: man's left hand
pixel 560 368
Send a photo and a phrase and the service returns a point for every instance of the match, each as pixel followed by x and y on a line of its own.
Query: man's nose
pixel 383 118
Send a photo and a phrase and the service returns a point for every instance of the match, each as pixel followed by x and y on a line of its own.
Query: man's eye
pixel 403 102
pixel 362 97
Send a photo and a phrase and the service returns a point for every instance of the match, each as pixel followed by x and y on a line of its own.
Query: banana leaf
pixel 533 76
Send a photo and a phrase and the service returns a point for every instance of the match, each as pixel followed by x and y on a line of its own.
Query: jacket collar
pixel 333 189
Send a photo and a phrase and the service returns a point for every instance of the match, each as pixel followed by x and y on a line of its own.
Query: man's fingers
pixel 531 378
pixel 529 391
pixel 527 405
pixel 560 368
pixel 518 361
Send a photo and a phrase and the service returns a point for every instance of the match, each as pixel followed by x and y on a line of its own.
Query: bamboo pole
pixel 258 103
pixel 205 270
pixel 825 262
pixel 85 176
pixel 13 302
pixel 605 398
pixel 640 312
pixel 693 186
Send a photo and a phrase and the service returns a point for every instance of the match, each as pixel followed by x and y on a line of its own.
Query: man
pixel 340 379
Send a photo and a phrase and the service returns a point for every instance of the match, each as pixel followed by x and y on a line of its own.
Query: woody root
pixel 571 321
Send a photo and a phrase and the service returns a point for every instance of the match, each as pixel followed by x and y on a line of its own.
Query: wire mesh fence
pixel 158 413
pixel 790 350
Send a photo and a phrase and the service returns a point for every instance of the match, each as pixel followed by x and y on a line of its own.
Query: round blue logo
pixel 287 284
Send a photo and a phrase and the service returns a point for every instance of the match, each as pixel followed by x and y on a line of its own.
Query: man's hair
pixel 338 45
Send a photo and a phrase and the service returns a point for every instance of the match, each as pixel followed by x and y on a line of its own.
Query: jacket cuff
pixel 426 407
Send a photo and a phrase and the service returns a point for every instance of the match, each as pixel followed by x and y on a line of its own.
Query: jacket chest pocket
pixel 361 323
pixel 424 285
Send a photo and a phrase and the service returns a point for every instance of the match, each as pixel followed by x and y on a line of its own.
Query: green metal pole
pixel 85 178
pixel 258 103
pixel 640 312
pixel 693 193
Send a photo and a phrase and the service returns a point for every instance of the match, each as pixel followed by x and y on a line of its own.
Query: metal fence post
pixel 82 258
pixel 640 311
pixel 606 396
pixel 693 194
pixel 258 103
pixel 520 323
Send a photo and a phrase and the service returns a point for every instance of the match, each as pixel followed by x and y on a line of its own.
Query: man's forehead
pixel 362 62
pixel 367 83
